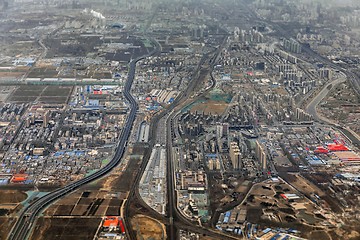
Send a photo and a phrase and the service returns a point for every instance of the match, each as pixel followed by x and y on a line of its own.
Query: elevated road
pixel 26 221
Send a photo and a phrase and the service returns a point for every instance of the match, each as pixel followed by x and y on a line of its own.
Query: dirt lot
pixel 148 228
pixel 58 228
pixel 12 196
pixel 5 226
pixel 5 92
pixel 210 107
pixel 46 94
pixel 47 72
pixel 123 183
pixel 94 203
pixel 11 74
pixel 303 185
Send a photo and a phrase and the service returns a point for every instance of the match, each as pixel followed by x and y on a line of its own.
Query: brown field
pixel 207 238
pixel 47 72
pixel 46 94
pixel 11 74
pixel 123 182
pixel 210 107
pixel 319 235
pixel 65 228
pixel 12 196
pixel 148 228
pixel 79 210
pixel 63 210
pixel 5 226
pixel 113 211
pixel 303 185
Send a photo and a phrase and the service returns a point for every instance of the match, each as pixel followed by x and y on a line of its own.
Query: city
pixel 172 119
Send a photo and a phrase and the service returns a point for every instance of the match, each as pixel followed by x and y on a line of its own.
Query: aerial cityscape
pixel 180 119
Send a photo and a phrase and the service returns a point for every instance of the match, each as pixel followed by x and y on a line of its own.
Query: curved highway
pixel 27 218
pixel 174 219
pixel 311 107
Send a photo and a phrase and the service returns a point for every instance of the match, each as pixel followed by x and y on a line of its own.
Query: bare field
pixel 12 196
pixel 210 107
pixel 46 94
pixel 303 185
pixel 123 182
pixel 5 226
pixel 65 228
pixel 11 74
pixel 148 228
pixel 43 72
pixel 94 203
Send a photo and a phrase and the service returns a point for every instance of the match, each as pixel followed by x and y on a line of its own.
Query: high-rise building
pixel 222 130
pixel 217 164
pixel 325 73
pixel 46 119
pixel 211 164
pixel 261 155
pixel 301 115
pixel 235 155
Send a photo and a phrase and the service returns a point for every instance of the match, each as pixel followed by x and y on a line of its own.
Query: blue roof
pixel 267 230
pixel 79 153
pixel 60 153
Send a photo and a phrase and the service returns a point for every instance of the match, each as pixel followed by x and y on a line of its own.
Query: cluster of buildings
pixel 239 221
pixel 113 227
pixel 160 79
pixel 58 143
pixel 192 196
pixel 152 185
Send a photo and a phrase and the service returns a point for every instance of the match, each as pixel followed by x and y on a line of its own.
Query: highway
pixel 352 78
pixel 311 107
pixel 26 221
pixel 174 218
pixel 173 213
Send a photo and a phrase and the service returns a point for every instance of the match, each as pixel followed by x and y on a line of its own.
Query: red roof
pixel 337 147
pixel 111 222
pixel 283 196
pixel 321 149
pixel 18 179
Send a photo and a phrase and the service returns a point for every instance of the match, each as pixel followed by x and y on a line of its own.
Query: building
pixel 222 130
pixel 325 73
pixel 301 115
pixel 235 155
pixel 292 45
pixel 260 154
pixel 46 118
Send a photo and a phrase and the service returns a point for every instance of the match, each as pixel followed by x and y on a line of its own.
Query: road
pixel 351 77
pixel 311 107
pixel 26 221
pixel 174 214
pixel 174 219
